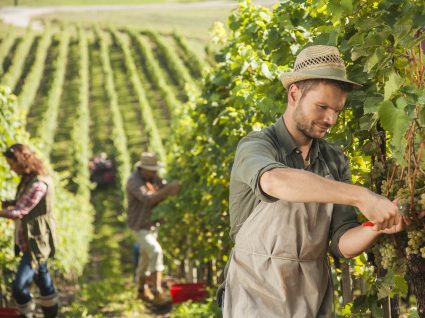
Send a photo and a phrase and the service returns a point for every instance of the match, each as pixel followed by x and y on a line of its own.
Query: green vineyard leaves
pixel 380 42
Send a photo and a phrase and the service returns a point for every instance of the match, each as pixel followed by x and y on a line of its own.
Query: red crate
pixel 9 312
pixel 188 291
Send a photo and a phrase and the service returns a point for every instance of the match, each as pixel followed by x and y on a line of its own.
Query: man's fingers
pixel 398 218
pixel 378 226
pixel 386 224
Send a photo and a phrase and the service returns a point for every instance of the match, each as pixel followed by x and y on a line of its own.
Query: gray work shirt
pixel 279 266
pixel 273 147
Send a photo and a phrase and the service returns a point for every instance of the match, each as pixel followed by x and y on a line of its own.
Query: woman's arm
pixel 29 199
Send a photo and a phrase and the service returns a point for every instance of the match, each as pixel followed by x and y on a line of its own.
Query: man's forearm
pixel 296 185
pixel 357 240
pixel 158 196
pixel 3 214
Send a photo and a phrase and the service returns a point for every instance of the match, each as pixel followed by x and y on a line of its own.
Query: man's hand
pixel 401 226
pixel 173 187
pixel 381 211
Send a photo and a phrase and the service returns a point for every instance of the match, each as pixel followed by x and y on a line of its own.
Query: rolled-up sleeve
pixel 344 217
pixel 255 156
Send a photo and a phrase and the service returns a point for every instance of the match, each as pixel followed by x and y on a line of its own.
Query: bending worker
pixel 145 190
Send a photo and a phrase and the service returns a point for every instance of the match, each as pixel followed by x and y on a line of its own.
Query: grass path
pixel 106 288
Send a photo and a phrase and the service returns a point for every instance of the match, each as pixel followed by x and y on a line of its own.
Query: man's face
pixel 318 109
pixel 148 174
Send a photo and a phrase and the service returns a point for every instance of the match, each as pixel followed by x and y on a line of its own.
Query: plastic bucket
pixel 9 312
pixel 188 291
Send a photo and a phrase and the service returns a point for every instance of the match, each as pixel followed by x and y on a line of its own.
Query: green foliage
pixel 12 75
pixel 155 142
pixel 180 73
pixel 11 130
pixel 80 133
pixel 378 40
pixel 47 126
pixel 192 59
pixel 33 79
pixel 238 96
pixel 156 74
pixel 74 214
pixel 189 309
pixel 5 46
pixel 118 135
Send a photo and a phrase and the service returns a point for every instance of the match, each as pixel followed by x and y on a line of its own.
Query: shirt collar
pixel 288 144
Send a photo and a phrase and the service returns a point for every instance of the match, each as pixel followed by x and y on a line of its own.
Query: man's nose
pixel 331 117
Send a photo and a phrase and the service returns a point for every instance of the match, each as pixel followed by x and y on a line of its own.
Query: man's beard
pixel 300 122
pixel 304 126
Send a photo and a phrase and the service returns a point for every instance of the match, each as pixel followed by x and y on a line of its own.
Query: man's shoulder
pixel 134 178
pixel 266 134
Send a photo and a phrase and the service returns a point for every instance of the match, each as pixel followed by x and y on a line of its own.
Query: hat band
pixel 334 72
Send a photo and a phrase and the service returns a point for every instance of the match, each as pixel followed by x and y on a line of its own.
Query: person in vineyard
pixel 32 211
pixel 291 200
pixel 145 190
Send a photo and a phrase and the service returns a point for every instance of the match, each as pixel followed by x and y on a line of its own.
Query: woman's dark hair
pixel 26 159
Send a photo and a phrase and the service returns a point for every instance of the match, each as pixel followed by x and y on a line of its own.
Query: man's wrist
pixel 359 196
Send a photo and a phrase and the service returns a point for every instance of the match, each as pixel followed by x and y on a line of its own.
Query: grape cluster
pixel 403 198
pixel 403 194
pixel 416 242
pixel 422 202
pixel 388 255
pixel 385 188
pixel 422 250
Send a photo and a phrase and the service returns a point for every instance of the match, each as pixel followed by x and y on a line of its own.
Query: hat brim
pixel 292 77
pixel 148 167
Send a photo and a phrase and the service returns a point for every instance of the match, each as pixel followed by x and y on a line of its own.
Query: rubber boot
pixel 27 310
pixel 50 305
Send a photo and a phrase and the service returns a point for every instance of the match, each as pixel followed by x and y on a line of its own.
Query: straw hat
pixel 149 161
pixel 318 61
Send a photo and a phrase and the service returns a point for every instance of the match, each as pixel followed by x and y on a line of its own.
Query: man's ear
pixel 293 94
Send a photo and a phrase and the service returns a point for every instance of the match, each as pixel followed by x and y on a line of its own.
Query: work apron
pixel 279 266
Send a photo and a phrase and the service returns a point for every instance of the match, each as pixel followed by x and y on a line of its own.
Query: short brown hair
pixel 26 159
pixel 307 85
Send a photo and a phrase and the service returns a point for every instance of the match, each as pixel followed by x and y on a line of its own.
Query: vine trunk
pixel 416 266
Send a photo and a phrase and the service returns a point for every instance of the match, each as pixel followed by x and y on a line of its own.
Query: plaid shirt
pixel 29 199
pixel 140 206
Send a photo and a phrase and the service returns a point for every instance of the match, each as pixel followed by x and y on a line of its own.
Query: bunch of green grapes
pixel 422 250
pixel 388 255
pixel 422 202
pixel 416 242
pixel 385 188
pixel 403 200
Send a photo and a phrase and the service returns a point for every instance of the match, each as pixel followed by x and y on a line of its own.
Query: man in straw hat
pixel 145 190
pixel 290 195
